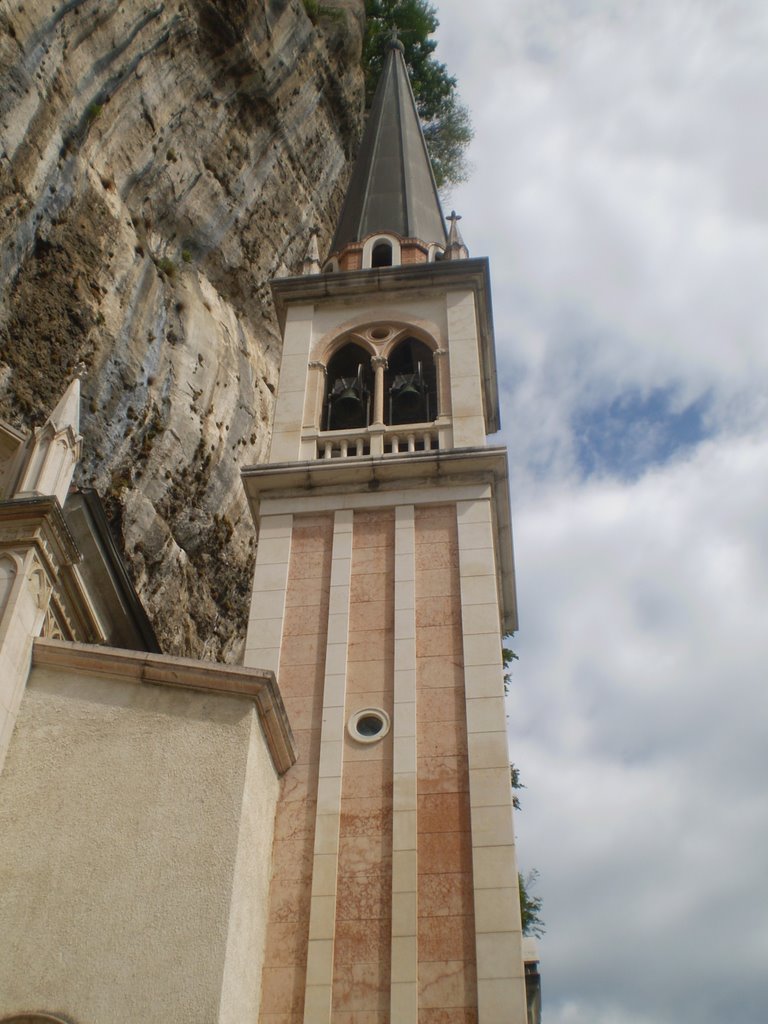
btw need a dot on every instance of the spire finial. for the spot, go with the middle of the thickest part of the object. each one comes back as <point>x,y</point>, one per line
<point>393,40</point>
<point>456,249</point>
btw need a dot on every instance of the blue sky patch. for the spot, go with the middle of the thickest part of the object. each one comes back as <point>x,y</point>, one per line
<point>637,430</point>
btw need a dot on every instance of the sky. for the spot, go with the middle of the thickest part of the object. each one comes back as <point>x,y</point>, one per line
<point>620,190</point>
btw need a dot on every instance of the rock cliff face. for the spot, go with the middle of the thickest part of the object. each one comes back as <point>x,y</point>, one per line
<point>160,162</point>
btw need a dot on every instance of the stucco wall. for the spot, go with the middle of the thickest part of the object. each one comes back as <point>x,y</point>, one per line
<point>136,826</point>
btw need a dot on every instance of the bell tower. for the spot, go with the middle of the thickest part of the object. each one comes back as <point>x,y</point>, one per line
<point>383,582</point>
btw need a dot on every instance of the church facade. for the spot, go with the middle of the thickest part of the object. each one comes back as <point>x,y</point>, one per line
<point>323,835</point>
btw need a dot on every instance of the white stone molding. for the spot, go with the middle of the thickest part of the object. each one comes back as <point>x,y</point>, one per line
<point>270,585</point>
<point>498,933</point>
<point>404,991</point>
<point>254,684</point>
<point>373,241</point>
<point>322,914</point>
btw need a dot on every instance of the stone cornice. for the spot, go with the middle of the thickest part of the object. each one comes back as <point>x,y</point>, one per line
<point>37,519</point>
<point>395,477</point>
<point>257,685</point>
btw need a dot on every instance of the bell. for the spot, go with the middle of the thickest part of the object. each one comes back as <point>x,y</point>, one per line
<point>347,408</point>
<point>407,398</point>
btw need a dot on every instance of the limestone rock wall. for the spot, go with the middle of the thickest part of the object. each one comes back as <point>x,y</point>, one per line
<point>159,162</point>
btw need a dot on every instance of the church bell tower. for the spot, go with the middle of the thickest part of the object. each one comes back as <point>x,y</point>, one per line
<point>383,583</point>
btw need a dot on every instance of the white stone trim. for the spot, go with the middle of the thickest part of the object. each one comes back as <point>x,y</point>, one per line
<point>270,584</point>
<point>498,935</point>
<point>404,953</point>
<point>373,241</point>
<point>376,499</point>
<point>322,914</point>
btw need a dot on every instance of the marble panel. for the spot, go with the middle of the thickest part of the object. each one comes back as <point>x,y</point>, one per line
<point>443,774</point>
<point>444,984</point>
<point>363,898</point>
<point>360,942</point>
<point>443,812</point>
<point>361,987</point>
<point>299,783</point>
<point>295,820</point>
<point>453,1015</point>
<point>442,671</point>
<point>441,704</point>
<point>291,860</point>
<point>444,610</point>
<point>444,852</point>
<point>441,739</point>
<point>438,641</point>
<point>361,855</point>
<point>446,895</point>
<point>282,989</point>
<point>285,945</point>
<point>436,583</point>
<point>365,817</point>
<point>446,938</point>
<point>289,900</point>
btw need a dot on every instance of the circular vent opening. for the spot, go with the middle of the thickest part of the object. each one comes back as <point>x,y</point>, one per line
<point>368,725</point>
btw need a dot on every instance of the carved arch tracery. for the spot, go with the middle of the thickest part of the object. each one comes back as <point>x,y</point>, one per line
<point>360,381</point>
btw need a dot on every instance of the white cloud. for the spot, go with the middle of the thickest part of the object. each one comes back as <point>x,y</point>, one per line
<point>638,719</point>
<point>620,194</point>
<point>619,191</point>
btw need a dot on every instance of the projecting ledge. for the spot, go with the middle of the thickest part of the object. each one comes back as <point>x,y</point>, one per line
<point>428,477</point>
<point>257,685</point>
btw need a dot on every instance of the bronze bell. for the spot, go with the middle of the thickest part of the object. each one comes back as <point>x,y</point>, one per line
<point>408,398</point>
<point>347,408</point>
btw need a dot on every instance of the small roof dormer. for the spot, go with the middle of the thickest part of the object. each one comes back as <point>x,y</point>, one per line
<point>392,191</point>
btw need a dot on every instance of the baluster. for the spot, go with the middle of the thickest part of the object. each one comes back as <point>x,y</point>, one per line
<point>411,442</point>
<point>360,446</point>
<point>328,450</point>
<point>344,448</point>
<point>427,441</point>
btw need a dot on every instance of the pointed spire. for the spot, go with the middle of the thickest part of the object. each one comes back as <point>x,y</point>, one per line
<point>54,449</point>
<point>456,249</point>
<point>67,410</point>
<point>311,264</point>
<point>392,187</point>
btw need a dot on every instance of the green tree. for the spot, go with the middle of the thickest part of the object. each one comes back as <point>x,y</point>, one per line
<point>530,906</point>
<point>445,120</point>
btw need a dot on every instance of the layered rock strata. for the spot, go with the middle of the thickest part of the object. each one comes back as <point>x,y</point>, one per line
<point>159,163</point>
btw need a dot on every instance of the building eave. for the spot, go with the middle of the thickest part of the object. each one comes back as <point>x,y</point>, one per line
<point>253,684</point>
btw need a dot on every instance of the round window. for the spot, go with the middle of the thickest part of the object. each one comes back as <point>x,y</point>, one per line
<point>368,725</point>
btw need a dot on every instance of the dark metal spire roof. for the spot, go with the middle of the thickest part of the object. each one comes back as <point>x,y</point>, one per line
<point>392,186</point>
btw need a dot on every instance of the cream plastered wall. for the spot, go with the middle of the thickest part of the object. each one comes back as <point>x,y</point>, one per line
<point>137,826</point>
